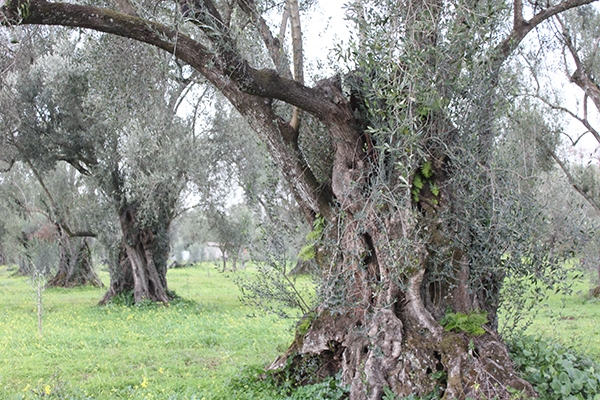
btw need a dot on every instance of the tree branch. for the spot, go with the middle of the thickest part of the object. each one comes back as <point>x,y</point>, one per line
<point>518,19</point>
<point>298,56</point>
<point>580,77</point>
<point>273,44</point>
<point>521,28</point>
<point>584,121</point>
<point>573,181</point>
<point>218,68</point>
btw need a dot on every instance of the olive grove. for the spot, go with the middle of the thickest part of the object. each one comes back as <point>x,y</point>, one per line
<point>577,37</point>
<point>418,218</point>
<point>64,110</point>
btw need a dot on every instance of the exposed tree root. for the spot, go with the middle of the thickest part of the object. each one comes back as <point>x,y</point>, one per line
<point>384,353</point>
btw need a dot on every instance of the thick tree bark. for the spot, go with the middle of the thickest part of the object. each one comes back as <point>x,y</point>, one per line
<point>142,249</point>
<point>75,266</point>
<point>141,269</point>
<point>121,276</point>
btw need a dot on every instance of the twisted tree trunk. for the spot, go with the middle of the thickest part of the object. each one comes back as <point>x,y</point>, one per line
<point>75,266</point>
<point>383,330</point>
<point>142,265</point>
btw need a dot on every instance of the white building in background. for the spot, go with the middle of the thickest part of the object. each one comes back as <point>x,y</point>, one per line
<point>212,251</point>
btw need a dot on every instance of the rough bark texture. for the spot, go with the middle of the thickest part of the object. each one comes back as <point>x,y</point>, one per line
<point>142,263</point>
<point>121,276</point>
<point>75,266</point>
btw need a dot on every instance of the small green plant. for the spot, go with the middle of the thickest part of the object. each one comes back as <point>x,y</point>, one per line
<point>554,371</point>
<point>388,394</point>
<point>471,323</point>
<point>124,299</point>
<point>308,251</point>
<point>23,10</point>
<point>422,177</point>
<point>304,324</point>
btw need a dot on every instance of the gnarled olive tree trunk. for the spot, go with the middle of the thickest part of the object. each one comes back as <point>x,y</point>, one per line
<point>75,267</point>
<point>142,261</point>
<point>390,274</point>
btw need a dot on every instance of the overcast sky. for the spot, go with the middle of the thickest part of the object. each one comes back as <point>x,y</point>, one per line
<point>322,28</point>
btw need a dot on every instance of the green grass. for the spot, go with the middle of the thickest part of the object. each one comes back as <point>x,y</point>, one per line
<point>572,321</point>
<point>203,348</point>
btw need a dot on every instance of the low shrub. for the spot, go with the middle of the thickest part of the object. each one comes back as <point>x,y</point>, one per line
<point>469,323</point>
<point>554,371</point>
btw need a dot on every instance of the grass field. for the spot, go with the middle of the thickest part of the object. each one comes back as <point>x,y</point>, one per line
<point>573,321</point>
<point>189,350</point>
<point>205,347</point>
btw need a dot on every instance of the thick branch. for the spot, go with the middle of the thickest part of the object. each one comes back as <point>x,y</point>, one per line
<point>580,77</point>
<point>273,44</point>
<point>217,68</point>
<point>521,28</point>
<point>518,19</point>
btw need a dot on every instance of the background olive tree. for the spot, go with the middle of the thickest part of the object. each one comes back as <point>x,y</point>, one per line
<point>572,137</point>
<point>69,114</point>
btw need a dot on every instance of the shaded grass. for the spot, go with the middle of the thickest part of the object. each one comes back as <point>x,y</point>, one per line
<point>191,349</point>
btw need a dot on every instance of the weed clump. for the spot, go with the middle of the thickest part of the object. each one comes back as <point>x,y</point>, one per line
<point>471,323</point>
<point>254,383</point>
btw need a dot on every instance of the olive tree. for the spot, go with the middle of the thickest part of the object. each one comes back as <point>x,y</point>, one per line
<point>416,223</point>
<point>62,192</point>
<point>68,113</point>
<point>577,101</point>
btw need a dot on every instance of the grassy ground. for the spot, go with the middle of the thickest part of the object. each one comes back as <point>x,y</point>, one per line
<point>573,321</point>
<point>205,347</point>
<point>184,351</point>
